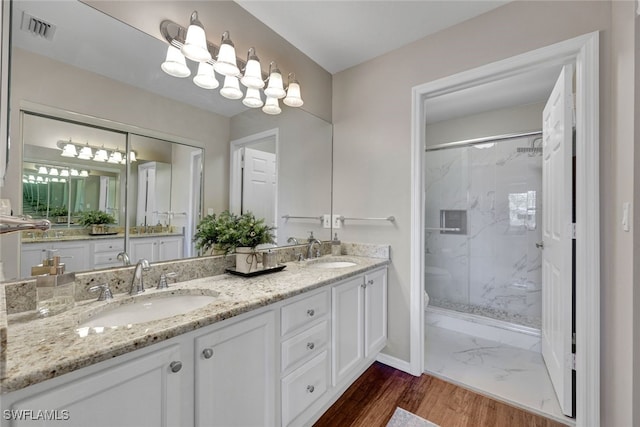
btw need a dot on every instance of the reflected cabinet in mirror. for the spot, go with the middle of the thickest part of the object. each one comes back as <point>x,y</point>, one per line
<point>178,160</point>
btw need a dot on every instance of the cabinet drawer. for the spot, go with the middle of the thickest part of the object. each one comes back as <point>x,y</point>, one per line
<point>304,311</point>
<point>116,246</point>
<point>106,259</point>
<point>304,386</point>
<point>305,345</point>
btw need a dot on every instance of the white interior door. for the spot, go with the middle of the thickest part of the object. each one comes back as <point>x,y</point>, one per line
<point>557,235</point>
<point>259,184</point>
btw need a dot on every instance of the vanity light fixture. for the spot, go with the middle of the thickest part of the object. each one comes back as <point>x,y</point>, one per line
<point>53,172</point>
<point>132,156</point>
<point>86,153</point>
<point>84,173</point>
<point>54,179</point>
<point>274,88</point>
<point>69,150</point>
<point>32,178</point>
<point>192,44</point>
<point>64,172</point>
<point>115,157</point>
<point>195,45</point>
<point>293,98</point>
<point>101,155</point>
<point>74,172</point>
<point>43,170</point>
<point>39,179</point>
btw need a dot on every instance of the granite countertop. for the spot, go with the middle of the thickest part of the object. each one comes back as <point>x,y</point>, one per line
<point>40,349</point>
<point>75,237</point>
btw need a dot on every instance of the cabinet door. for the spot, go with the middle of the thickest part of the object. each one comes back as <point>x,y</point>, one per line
<point>141,392</point>
<point>30,256</point>
<point>75,255</point>
<point>375,312</point>
<point>347,326</point>
<point>143,248</point>
<point>235,374</point>
<point>170,248</point>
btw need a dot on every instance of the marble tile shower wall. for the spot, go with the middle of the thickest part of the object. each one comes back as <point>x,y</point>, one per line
<point>494,269</point>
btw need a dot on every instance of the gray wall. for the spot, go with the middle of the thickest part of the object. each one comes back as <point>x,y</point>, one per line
<point>372,154</point>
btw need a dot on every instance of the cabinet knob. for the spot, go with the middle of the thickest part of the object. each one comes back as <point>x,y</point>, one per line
<point>370,282</point>
<point>175,366</point>
<point>207,353</point>
<point>310,345</point>
<point>311,312</point>
<point>310,388</point>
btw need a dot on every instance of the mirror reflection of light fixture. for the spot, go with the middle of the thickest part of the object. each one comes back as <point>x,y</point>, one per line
<point>84,173</point>
<point>132,156</point>
<point>195,44</point>
<point>231,88</point>
<point>54,179</point>
<point>39,179</point>
<point>274,88</point>
<point>174,64</point>
<point>226,63</point>
<point>293,98</point>
<point>74,172</point>
<point>53,172</point>
<point>272,106</point>
<point>64,172</point>
<point>43,170</point>
<point>252,99</point>
<point>252,72</point>
<point>115,157</point>
<point>206,78</point>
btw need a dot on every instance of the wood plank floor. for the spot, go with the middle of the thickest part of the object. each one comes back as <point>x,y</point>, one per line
<point>372,399</point>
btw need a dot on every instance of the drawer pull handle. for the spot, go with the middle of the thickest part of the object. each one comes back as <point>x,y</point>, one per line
<point>175,366</point>
<point>310,388</point>
<point>207,353</point>
<point>311,312</point>
<point>310,345</point>
<point>370,282</point>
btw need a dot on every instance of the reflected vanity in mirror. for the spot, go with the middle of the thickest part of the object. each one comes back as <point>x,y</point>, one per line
<point>186,136</point>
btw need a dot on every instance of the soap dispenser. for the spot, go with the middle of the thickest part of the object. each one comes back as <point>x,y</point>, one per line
<point>336,248</point>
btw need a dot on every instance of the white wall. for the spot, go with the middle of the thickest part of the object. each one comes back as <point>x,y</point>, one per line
<point>372,156</point>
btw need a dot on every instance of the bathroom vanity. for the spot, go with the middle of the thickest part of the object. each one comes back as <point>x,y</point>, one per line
<point>276,349</point>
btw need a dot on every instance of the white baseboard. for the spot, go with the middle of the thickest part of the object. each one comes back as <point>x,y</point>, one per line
<point>394,362</point>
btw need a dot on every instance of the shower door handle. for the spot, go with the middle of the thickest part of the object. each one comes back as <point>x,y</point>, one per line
<point>442,229</point>
<point>540,245</point>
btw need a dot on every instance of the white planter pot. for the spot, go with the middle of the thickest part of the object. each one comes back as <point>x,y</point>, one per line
<point>246,260</point>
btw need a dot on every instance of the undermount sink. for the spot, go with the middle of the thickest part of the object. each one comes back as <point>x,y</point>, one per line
<point>330,263</point>
<point>145,308</point>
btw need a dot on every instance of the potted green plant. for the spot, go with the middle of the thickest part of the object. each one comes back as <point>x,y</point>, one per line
<point>97,220</point>
<point>60,213</point>
<point>228,232</point>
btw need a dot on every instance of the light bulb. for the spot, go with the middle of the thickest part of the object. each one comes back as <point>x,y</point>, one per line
<point>175,64</point>
<point>195,45</point>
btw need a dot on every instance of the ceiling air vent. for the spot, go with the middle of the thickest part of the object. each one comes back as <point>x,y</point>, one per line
<point>37,26</point>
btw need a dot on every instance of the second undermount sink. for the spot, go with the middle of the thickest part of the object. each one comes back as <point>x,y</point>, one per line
<point>145,308</point>
<point>331,262</point>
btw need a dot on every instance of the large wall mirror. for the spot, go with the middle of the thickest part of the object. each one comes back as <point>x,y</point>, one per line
<point>97,83</point>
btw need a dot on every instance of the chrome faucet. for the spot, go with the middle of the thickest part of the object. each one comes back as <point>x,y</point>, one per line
<point>124,258</point>
<point>138,288</point>
<point>312,241</point>
<point>292,240</point>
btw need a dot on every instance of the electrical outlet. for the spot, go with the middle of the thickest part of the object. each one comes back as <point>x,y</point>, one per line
<point>335,219</point>
<point>326,221</point>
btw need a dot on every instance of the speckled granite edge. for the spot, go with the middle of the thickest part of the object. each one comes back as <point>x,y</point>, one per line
<point>3,333</point>
<point>42,349</point>
<point>370,250</point>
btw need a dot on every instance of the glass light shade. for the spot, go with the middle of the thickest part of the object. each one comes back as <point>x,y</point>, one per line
<point>226,63</point>
<point>74,172</point>
<point>62,180</point>
<point>195,44</point>
<point>64,172</point>
<point>53,172</point>
<point>115,157</point>
<point>252,73</point>
<point>39,179</point>
<point>231,88</point>
<point>175,64</point>
<point>54,179</point>
<point>252,99</point>
<point>84,173</point>
<point>101,155</point>
<point>42,170</point>
<point>86,153</point>
<point>69,150</point>
<point>32,178</point>
<point>272,106</point>
<point>206,78</point>
<point>275,88</point>
<point>293,98</point>
<point>132,156</point>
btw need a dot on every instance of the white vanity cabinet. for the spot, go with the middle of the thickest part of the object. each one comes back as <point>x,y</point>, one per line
<point>235,374</point>
<point>105,252</point>
<point>359,322</point>
<point>74,254</point>
<point>156,248</point>
<point>142,390</point>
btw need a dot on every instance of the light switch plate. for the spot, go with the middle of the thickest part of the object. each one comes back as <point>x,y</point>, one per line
<point>210,211</point>
<point>335,220</point>
<point>326,221</point>
<point>625,216</point>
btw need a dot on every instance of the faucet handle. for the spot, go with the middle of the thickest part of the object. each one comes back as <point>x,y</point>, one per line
<point>162,282</point>
<point>105,292</point>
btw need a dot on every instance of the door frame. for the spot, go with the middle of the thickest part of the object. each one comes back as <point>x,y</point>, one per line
<point>583,51</point>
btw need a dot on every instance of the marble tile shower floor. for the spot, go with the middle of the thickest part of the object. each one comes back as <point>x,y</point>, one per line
<point>506,373</point>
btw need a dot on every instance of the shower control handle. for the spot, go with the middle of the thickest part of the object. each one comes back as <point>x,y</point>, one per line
<point>540,245</point>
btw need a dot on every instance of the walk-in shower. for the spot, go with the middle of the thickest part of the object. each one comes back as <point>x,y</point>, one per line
<point>482,224</point>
